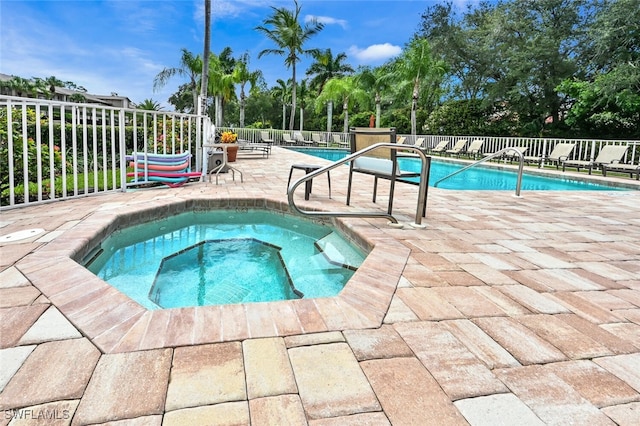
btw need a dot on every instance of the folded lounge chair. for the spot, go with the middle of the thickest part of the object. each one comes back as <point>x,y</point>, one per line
<point>458,147</point>
<point>559,154</point>
<point>381,163</point>
<point>608,155</point>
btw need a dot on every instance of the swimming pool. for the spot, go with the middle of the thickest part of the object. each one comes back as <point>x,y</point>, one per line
<point>477,178</point>
<point>225,257</point>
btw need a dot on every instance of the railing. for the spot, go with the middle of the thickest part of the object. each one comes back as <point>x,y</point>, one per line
<point>422,186</point>
<point>586,149</point>
<point>487,158</point>
<point>53,150</point>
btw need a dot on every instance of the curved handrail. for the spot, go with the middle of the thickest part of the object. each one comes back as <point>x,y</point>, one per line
<point>487,158</point>
<point>421,196</point>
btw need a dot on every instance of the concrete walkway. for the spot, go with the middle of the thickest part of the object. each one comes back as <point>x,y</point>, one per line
<point>503,310</point>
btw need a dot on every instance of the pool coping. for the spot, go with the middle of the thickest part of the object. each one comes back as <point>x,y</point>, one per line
<point>115,323</point>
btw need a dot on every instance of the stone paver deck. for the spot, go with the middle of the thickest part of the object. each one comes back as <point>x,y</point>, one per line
<point>503,309</point>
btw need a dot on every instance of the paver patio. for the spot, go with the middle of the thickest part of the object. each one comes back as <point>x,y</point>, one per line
<point>518,310</point>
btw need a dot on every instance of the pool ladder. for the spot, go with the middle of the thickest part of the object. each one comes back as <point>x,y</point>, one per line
<point>519,154</point>
<point>422,191</point>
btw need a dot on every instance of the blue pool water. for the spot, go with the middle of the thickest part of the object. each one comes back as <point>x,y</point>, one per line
<point>224,257</point>
<point>476,178</point>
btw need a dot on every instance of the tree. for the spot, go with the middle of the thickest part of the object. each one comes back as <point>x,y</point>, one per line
<point>205,62</point>
<point>324,69</point>
<point>191,67</point>
<point>282,92</point>
<point>418,73</point>
<point>149,105</point>
<point>284,30</point>
<point>242,76</point>
<point>375,80</point>
<point>342,90</point>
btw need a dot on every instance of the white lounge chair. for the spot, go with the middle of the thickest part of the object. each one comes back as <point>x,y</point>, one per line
<point>560,153</point>
<point>458,147</point>
<point>317,139</point>
<point>475,147</point>
<point>608,155</point>
<point>440,147</point>
<point>287,139</point>
<point>297,136</point>
<point>340,142</point>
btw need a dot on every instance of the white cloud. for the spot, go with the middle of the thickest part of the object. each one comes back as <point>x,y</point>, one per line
<point>326,20</point>
<point>375,53</point>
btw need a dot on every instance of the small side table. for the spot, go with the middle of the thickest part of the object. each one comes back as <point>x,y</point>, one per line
<point>225,161</point>
<point>308,168</point>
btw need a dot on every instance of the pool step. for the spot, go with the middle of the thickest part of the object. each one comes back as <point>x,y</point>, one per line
<point>339,252</point>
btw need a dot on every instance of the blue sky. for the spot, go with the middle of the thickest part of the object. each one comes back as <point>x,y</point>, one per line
<point>121,45</point>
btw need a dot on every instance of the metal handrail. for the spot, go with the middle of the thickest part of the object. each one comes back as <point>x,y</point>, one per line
<point>487,158</point>
<point>421,197</point>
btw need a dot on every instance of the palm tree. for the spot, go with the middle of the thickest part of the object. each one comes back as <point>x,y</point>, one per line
<point>417,67</point>
<point>289,36</point>
<point>205,62</point>
<point>324,69</point>
<point>343,90</point>
<point>375,80</point>
<point>149,105</point>
<point>221,86</point>
<point>190,66</point>
<point>242,76</point>
<point>282,92</point>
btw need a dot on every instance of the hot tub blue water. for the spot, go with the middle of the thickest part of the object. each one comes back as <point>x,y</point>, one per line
<point>477,178</point>
<point>225,257</point>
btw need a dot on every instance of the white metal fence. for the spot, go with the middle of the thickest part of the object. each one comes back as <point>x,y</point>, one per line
<point>51,150</point>
<point>585,149</point>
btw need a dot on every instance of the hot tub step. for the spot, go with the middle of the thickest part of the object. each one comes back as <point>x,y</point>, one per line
<point>339,252</point>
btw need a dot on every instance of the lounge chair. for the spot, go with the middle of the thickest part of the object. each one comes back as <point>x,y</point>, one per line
<point>511,154</point>
<point>265,138</point>
<point>419,143</point>
<point>287,139</point>
<point>339,142</point>
<point>560,153</point>
<point>622,168</point>
<point>297,136</point>
<point>317,139</point>
<point>381,163</point>
<point>458,147</point>
<point>441,147</point>
<point>475,147</point>
<point>608,155</point>
<point>401,139</point>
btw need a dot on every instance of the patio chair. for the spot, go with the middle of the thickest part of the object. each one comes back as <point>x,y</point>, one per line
<point>511,153</point>
<point>317,139</point>
<point>608,155</point>
<point>559,154</point>
<point>297,136</point>
<point>458,147</point>
<point>401,139</point>
<point>441,147</point>
<point>287,139</point>
<point>622,168</point>
<point>340,142</point>
<point>381,163</point>
<point>475,148</point>
<point>419,143</point>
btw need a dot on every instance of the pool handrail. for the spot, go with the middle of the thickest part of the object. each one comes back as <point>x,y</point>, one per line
<point>519,154</point>
<point>420,211</point>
